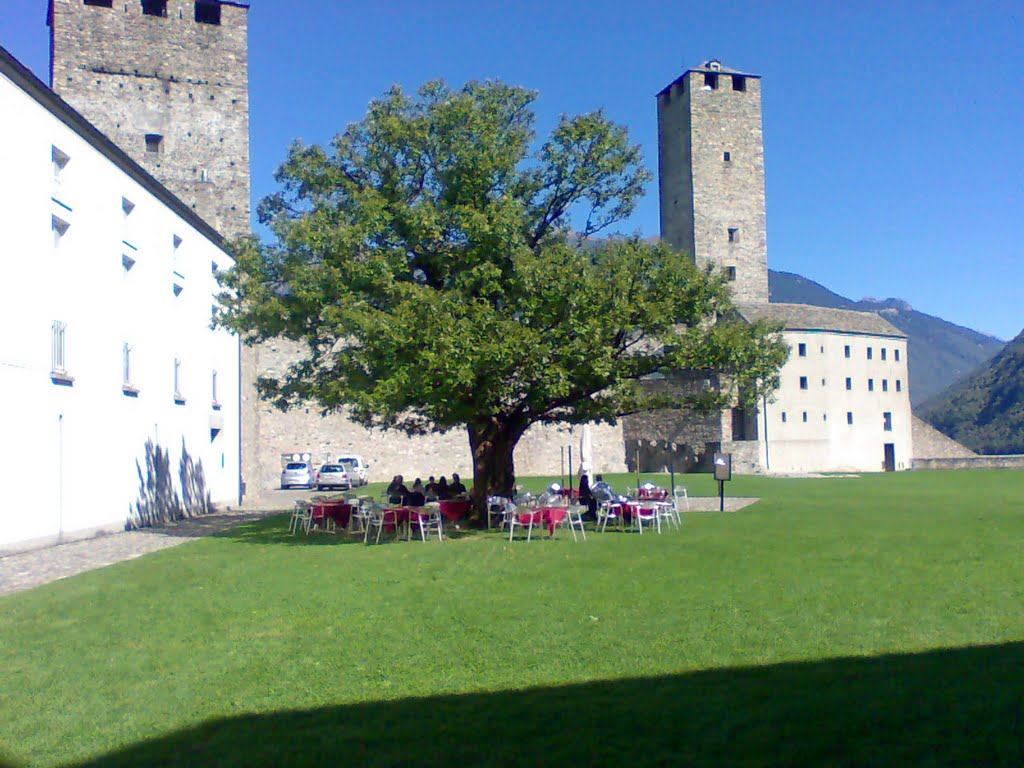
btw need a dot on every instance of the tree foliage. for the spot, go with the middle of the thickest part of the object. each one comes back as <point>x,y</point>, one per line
<point>429,263</point>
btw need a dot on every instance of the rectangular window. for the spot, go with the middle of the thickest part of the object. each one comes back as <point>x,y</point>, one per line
<point>207,12</point>
<point>727,157</point>
<point>803,382</point>
<point>734,234</point>
<point>154,143</point>
<point>846,351</point>
<point>730,273</point>
<point>885,385</point>
<point>154,7</point>
<point>805,417</point>
<point>849,417</point>
<point>101,3</point>
<point>869,353</point>
<point>849,383</point>
<point>739,83</point>
<point>896,353</point>
<point>871,385</point>
<point>899,386</point>
<point>783,417</point>
<point>710,81</point>
<point>801,349</point>
<point>58,352</point>
<point>887,421</point>
<point>883,353</point>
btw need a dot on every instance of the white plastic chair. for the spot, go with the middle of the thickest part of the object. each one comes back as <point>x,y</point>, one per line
<point>574,519</point>
<point>428,520</point>
<point>524,517</point>
<point>607,510</point>
<point>300,517</point>
<point>380,518</point>
<point>646,512</point>
<point>680,494</point>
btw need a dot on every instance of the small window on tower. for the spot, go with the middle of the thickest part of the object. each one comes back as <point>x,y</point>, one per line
<point>730,272</point>
<point>710,81</point>
<point>727,157</point>
<point>154,143</point>
<point>101,3</point>
<point>801,350</point>
<point>734,234</point>
<point>207,12</point>
<point>739,83</point>
<point>154,7</point>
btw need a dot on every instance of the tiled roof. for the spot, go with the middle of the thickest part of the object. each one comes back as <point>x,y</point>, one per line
<point>803,317</point>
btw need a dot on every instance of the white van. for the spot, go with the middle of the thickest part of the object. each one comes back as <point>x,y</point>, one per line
<point>358,469</point>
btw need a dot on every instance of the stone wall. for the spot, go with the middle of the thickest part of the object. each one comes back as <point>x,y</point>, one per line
<point>972,462</point>
<point>132,74</point>
<point>543,450</point>
<point>929,443</point>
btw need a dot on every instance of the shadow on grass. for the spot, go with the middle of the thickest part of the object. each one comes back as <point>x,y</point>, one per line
<point>274,530</point>
<point>950,707</point>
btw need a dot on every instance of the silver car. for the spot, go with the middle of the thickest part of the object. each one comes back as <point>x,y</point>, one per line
<point>297,473</point>
<point>333,476</point>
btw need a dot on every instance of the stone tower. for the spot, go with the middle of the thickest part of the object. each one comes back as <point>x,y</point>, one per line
<point>168,82</point>
<point>711,174</point>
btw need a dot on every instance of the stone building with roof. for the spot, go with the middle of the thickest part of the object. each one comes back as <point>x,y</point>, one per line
<point>843,403</point>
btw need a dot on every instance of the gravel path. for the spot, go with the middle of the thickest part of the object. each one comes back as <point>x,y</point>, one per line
<point>24,570</point>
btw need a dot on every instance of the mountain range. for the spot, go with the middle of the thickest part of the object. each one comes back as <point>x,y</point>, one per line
<point>940,354</point>
<point>985,411</point>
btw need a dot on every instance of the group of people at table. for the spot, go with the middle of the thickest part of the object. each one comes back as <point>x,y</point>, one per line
<point>452,501</point>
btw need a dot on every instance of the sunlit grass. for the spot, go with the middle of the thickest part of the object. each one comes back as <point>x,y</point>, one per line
<point>256,621</point>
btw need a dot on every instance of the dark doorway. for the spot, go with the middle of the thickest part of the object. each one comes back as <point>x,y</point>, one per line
<point>889,464</point>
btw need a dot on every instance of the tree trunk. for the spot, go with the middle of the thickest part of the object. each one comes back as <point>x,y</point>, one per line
<point>493,443</point>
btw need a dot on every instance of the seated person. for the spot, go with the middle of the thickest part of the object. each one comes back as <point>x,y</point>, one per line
<point>430,490</point>
<point>602,491</point>
<point>416,497</point>
<point>457,489</point>
<point>396,491</point>
<point>443,492</point>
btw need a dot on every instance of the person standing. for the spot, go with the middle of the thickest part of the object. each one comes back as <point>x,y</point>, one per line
<point>587,498</point>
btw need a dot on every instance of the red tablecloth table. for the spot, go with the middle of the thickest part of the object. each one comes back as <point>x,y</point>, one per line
<point>552,516</point>
<point>455,509</point>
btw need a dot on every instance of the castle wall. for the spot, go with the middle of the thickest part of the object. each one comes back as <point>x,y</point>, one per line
<point>713,207</point>
<point>172,77</point>
<point>540,452</point>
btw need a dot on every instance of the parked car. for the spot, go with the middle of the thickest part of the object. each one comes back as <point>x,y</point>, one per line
<point>333,476</point>
<point>297,473</point>
<point>357,468</point>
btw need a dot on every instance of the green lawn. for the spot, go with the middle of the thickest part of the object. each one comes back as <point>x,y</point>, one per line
<point>840,621</point>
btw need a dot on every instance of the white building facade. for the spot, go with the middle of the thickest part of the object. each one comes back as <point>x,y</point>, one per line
<point>843,403</point>
<point>119,397</point>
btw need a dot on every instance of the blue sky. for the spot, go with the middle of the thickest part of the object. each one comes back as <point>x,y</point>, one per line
<point>894,131</point>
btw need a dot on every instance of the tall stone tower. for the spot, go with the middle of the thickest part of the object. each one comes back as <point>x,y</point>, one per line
<point>711,174</point>
<point>168,82</point>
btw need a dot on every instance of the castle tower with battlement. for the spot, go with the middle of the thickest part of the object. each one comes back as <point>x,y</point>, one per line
<point>168,81</point>
<point>711,174</point>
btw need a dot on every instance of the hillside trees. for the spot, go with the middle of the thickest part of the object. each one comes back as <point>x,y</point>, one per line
<point>428,263</point>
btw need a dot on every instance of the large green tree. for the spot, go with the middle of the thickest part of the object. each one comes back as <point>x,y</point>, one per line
<point>433,263</point>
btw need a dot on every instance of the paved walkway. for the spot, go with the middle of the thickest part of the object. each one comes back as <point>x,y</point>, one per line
<point>25,570</point>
